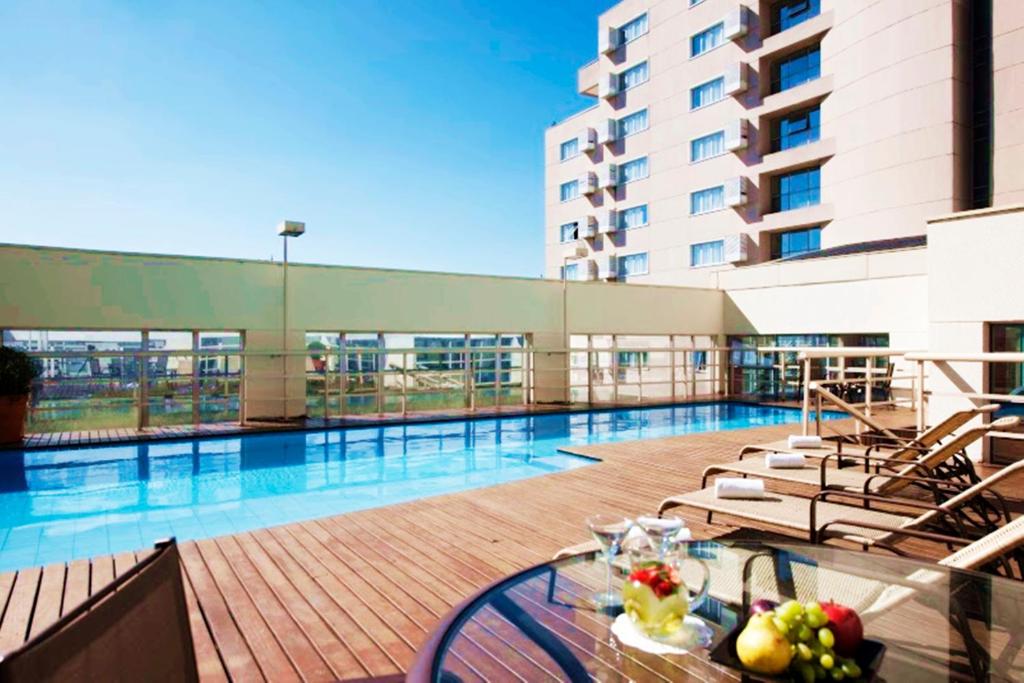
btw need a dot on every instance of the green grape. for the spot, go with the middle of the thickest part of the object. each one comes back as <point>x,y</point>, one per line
<point>790,609</point>
<point>813,607</point>
<point>806,672</point>
<point>792,651</point>
<point>827,661</point>
<point>804,633</point>
<point>781,625</point>
<point>804,652</point>
<point>837,674</point>
<point>816,619</point>
<point>826,637</point>
<point>819,672</point>
<point>851,669</point>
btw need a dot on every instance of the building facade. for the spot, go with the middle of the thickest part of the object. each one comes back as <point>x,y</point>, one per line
<point>727,133</point>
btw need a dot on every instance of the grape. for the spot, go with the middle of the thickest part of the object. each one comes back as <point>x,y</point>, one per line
<point>851,669</point>
<point>826,637</point>
<point>790,610</point>
<point>827,661</point>
<point>804,633</point>
<point>806,672</point>
<point>819,672</point>
<point>781,625</point>
<point>804,652</point>
<point>837,674</point>
<point>816,619</point>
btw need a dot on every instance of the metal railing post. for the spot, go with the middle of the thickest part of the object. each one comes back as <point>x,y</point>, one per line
<point>195,377</point>
<point>142,395</point>
<point>805,417</point>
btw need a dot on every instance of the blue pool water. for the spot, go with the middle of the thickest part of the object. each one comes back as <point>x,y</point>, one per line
<point>61,504</point>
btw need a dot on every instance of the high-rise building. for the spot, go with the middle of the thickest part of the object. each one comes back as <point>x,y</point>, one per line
<point>727,133</point>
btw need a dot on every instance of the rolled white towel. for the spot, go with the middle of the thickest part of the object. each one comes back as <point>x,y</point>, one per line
<point>727,487</point>
<point>800,441</point>
<point>783,461</point>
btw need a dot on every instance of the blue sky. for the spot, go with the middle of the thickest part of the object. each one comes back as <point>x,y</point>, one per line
<point>405,133</point>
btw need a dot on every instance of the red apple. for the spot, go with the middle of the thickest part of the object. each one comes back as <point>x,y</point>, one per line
<point>845,626</point>
<point>761,606</point>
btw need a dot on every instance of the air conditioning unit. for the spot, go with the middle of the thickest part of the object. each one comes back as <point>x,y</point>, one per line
<point>587,270</point>
<point>735,247</point>
<point>736,23</point>
<point>608,177</point>
<point>608,86</point>
<point>607,221</point>
<point>735,78</point>
<point>607,267</point>
<point>587,140</point>
<point>588,182</point>
<point>736,191</point>
<point>736,135</point>
<point>586,227</point>
<point>607,40</point>
<point>607,131</point>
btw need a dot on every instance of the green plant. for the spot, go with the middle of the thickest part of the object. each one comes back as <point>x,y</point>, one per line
<point>17,370</point>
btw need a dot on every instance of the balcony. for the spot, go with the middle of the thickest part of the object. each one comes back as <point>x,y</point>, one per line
<point>587,78</point>
<point>796,157</point>
<point>796,37</point>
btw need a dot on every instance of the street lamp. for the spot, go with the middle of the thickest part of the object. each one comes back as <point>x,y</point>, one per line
<point>286,229</point>
<point>579,251</point>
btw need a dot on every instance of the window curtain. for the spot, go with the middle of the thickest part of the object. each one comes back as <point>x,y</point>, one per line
<point>634,29</point>
<point>633,217</point>
<point>706,40</point>
<point>634,76</point>
<point>634,170</point>
<point>710,199</point>
<point>706,94</point>
<point>707,146</point>
<point>634,123</point>
<point>634,264</point>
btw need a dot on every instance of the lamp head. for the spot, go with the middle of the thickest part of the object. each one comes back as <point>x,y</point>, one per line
<point>291,228</point>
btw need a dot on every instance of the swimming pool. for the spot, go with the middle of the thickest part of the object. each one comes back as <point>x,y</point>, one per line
<point>62,504</point>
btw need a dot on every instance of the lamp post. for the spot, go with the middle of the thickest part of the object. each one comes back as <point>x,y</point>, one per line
<point>579,251</point>
<point>286,229</point>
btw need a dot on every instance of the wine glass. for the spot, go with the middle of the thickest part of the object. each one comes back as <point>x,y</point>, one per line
<point>609,531</point>
<point>661,531</point>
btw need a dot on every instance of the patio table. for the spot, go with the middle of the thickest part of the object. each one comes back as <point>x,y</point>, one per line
<point>937,623</point>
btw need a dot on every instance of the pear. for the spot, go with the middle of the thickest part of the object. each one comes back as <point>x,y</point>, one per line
<point>761,647</point>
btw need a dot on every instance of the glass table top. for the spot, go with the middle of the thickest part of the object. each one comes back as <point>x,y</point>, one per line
<point>542,624</point>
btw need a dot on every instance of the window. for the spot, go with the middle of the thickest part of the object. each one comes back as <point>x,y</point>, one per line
<point>634,123</point>
<point>1006,378</point>
<point>707,254</point>
<point>707,93</point>
<point>569,190</point>
<point>789,13</point>
<point>633,76</point>
<point>695,2</point>
<point>708,39</point>
<point>796,242</point>
<point>569,149</point>
<point>633,170</point>
<point>633,29</point>
<point>632,265</point>
<point>569,231</point>
<point>798,128</point>
<point>797,189</point>
<point>570,271</point>
<point>633,217</point>
<point>796,69</point>
<point>707,146</point>
<point>711,199</point>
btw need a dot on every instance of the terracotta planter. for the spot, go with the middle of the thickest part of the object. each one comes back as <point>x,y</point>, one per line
<point>12,418</point>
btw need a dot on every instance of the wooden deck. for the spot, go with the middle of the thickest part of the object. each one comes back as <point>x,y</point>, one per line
<point>354,595</point>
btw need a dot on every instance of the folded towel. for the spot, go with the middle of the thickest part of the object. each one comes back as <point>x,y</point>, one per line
<point>684,534</point>
<point>797,441</point>
<point>783,461</point>
<point>727,487</point>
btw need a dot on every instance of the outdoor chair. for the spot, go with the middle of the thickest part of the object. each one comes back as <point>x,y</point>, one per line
<point>135,628</point>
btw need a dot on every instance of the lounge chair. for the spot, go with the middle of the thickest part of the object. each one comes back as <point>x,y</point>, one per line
<point>945,461</point>
<point>965,513</point>
<point>135,628</point>
<point>909,442</point>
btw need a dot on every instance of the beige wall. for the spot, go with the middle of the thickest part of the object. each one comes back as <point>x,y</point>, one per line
<point>891,109</point>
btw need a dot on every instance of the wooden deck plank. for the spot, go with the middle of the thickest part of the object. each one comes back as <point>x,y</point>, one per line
<point>50,599</point>
<point>76,585</point>
<point>17,618</point>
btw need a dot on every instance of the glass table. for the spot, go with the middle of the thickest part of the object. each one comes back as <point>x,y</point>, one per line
<point>937,624</point>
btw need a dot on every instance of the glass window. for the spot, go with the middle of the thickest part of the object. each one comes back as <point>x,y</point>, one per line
<point>633,170</point>
<point>634,123</point>
<point>633,29</point>
<point>797,189</point>
<point>632,265</point>
<point>707,39</point>
<point>633,76</point>
<point>707,253</point>
<point>707,93</point>
<point>569,190</point>
<point>710,199</point>
<point>789,13</point>
<point>1007,378</point>
<point>798,128</point>
<point>633,217</point>
<point>568,231</point>
<point>569,149</point>
<point>570,271</point>
<point>796,242</point>
<point>796,69</point>
<point>707,146</point>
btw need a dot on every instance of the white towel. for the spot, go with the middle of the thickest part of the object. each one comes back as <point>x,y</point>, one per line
<point>683,535</point>
<point>798,441</point>
<point>726,487</point>
<point>783,461</point>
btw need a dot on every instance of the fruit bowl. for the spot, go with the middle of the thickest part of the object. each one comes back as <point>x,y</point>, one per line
<point>868,657</point>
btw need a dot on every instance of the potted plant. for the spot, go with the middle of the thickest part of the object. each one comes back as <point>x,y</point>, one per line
<point>17,371</point>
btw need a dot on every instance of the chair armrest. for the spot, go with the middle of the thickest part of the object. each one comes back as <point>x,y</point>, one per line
<point>914,533</point>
